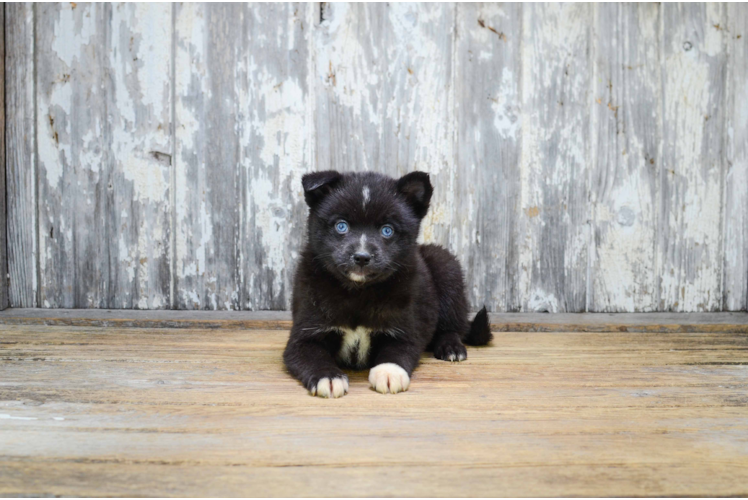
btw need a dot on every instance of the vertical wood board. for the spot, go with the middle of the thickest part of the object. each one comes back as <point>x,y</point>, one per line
<point>73,141</point>
<point>487,150</point>
<point>624,183</point>
<point>691,175</point>
<point>553,232</point>
<point>3,211</point>
<point>735,214</point>
<point>207,189</point>
<point>139,119</point>
<point>20,131</point>
<point>275,130</point>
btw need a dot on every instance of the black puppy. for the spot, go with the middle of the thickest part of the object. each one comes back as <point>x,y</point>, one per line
<point>366,294</point>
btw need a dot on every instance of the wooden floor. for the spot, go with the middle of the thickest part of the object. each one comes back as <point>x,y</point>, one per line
<point>190,412</point>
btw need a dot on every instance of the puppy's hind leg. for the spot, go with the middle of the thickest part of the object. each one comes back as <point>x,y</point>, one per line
<point>447,346</point>
<point>452,326</point>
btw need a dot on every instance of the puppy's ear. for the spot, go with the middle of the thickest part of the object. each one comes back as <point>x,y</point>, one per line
<point>416,187</point>
<point>317,185</point>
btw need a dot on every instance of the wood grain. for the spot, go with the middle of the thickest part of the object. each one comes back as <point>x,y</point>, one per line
<point>73,140</point>
<point>21,155</point>
<point>4,300</point>
<point>139,107</point>
<point>112,412</point>
<point>276,125</point>
<point>735,214</point>
<point>383,96</point>
<point>585,158</point>
<point>488,137</point>
<point>692,173</point>
<point>208,181</point>
<point>553,233</point>
<point>626,129</point>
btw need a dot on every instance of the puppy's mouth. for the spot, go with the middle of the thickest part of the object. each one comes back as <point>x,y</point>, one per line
<point>356,276</point>
<point>361,275</point>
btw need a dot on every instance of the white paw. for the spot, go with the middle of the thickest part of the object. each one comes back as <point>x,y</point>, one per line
<point>335,388</point>
<point>389,377</point>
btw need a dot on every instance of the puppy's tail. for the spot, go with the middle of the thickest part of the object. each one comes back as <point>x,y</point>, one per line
<point>480,329</point>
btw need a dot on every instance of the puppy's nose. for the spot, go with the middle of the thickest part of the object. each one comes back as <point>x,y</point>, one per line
<point>362,258</point>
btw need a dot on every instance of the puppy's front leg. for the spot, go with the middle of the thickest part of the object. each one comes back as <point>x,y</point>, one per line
<point>394,360</point>
<point>310,360</point>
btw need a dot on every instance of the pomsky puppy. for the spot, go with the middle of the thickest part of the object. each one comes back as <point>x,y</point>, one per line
<point>366,294</point>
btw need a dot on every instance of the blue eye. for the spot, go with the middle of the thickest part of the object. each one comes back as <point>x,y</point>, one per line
<point>341,226</point>
<point>387,231</point>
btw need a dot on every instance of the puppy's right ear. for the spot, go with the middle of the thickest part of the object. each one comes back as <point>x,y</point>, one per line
<point>317,185</point>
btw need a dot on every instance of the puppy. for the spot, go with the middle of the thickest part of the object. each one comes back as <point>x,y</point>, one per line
<point>366,294</point>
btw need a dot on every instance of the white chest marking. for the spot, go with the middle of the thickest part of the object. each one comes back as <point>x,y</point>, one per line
<point>367,195</point>
<point>355,342</point>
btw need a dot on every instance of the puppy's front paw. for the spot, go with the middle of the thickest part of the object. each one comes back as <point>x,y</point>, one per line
<point>334,387</point>
<point>450,350</point>
<point>389,377</point>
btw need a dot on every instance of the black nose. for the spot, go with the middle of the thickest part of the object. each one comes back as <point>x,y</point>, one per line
<point>361,258</point>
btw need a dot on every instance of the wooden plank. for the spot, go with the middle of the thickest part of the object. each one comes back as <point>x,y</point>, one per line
<point>75,238</point>
<point>692,173</point>
<point>21,155</point>
<point>500,322</point>
<point>553,232</point>
<point>210,71</point>
<point>103,127</point>
<point>735,213</point>
<point>384,97</point>
<point>112,479</point>
<point>276,125</point>
<point>181,412</point>
<point>4,300</point>
<point>138,92</point>
<point>488,131</point>
<point>624,182</point>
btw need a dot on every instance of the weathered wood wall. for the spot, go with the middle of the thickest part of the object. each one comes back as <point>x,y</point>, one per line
<point>4,298</point>
<point>586,157</point>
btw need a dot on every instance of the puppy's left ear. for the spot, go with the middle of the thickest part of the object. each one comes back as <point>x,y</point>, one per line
<point>417,189</point>
<point>317,185</point>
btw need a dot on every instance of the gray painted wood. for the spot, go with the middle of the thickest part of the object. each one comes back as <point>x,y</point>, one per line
<point>239,204</point>
<point>487,151</point>
<point>21,154</point>
<point>384,96</point>
<point>72,141</point>
<point>585,157</point>
<point>692,174</point>
<point>210,59</point>
<point>103,112</point>
<point>139,109</point>
<point>553,233</point>
<point>3,224</point>
<point>626,131</point>
<point>276,148</point>
<point>735,215</point>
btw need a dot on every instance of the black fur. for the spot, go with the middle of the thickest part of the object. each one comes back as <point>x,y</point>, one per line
<point>412,297</point>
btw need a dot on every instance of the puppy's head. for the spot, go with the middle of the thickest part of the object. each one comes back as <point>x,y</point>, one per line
<point>363,226</point>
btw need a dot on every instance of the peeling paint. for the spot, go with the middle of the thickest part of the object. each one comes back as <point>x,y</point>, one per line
<point>585,157</point>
